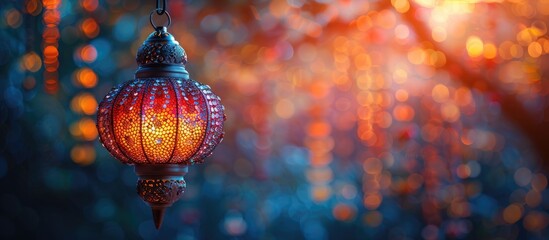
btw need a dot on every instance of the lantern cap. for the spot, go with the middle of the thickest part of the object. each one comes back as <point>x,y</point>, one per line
<point>161,56</point>
<point>161,48</point>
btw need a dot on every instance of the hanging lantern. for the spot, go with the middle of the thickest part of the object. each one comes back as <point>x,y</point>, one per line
<point>162,121</point>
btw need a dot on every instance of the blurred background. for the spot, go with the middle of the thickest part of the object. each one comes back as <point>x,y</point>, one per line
<point>401,119</point>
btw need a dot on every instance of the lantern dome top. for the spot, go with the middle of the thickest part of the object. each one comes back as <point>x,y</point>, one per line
<point>161,50</point>
<point>161,53</point>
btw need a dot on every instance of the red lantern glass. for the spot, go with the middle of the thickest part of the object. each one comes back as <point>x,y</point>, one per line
<point>160,121</point>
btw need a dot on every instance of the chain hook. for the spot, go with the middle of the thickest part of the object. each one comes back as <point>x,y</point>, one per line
<point>164,13</point>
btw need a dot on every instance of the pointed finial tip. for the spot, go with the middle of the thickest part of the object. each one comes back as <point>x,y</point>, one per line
<point>158,216</point>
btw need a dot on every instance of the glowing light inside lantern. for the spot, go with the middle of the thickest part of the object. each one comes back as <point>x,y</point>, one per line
<point>158,120</point>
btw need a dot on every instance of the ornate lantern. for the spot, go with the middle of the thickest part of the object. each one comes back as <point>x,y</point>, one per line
<point>162,121</point>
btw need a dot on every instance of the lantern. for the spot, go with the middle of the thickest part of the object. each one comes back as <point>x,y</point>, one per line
<point>161,122</point>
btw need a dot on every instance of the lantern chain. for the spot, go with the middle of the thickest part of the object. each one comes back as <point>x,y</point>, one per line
<point>164,13</point>
<point>160,10</point>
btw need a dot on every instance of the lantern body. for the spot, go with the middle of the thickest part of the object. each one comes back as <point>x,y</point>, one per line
<point>161,122</point>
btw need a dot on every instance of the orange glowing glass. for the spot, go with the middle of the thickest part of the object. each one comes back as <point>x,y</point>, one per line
<point>160,120</point>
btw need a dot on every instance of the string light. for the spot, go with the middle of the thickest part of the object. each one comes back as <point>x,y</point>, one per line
<point>83,102</point>
<point>51,18</point>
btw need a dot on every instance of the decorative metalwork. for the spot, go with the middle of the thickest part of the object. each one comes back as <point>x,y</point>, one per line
<point>162,192</point>
<point>161,47</point>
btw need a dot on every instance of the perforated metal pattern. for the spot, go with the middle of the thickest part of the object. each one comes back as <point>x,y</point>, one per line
<point>216,116</point>
<point>105,126</point>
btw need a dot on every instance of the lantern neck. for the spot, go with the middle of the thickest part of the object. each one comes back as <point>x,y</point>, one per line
<point>161,70</point>
<point>160,170</point>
